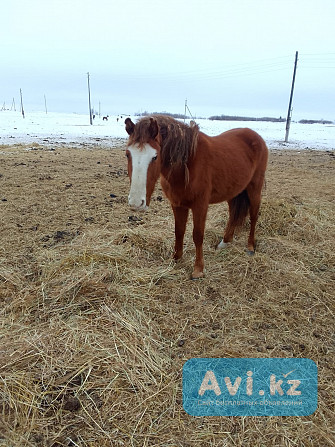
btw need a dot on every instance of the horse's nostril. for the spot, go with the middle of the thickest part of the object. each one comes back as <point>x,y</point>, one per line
<point>142,203</point>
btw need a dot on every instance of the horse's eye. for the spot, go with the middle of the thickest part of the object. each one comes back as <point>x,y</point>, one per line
<point>154,158</point>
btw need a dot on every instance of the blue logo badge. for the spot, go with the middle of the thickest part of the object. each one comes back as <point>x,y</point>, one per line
<point>250,387</point>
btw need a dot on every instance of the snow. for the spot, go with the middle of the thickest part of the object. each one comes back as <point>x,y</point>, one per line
<point>74,129</point>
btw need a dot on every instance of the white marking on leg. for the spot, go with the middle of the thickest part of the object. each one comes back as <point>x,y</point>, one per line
<point>222,245</point>
<point>141,159</point>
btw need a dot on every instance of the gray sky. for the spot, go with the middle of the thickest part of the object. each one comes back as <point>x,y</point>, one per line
<point>224,56</point>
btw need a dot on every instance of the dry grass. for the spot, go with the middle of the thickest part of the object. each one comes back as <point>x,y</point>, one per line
<point>97,321</point>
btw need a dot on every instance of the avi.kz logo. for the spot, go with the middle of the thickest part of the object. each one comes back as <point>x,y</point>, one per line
<point>250,387</point>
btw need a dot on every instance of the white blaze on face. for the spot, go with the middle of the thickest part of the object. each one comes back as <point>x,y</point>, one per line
<point>141,158</point>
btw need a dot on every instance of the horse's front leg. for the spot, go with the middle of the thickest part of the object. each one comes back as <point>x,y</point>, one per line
<point>180,220</point>
<point>199,220</point>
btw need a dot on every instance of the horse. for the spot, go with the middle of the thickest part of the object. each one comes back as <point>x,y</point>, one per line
<point>196,170</point>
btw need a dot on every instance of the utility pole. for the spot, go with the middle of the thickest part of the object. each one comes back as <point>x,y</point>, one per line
<point>187,109</point>
<point>45,105</point>
<point>22,111</point>
<point>289,113</point>
<point>89,97</point>
<point>13,105</point>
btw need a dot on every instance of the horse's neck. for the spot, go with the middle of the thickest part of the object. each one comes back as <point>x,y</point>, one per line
<point>176,175</point>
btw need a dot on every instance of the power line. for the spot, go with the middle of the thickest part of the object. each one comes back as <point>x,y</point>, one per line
<point>196,75</point>
<point>243,69</point>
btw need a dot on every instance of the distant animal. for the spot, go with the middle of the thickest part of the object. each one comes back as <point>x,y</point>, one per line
<point>196,170</point>
<point>105,118</point>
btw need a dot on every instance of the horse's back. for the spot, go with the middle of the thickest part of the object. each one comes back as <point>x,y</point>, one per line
<point>241,138</point>
<point>239,146</point>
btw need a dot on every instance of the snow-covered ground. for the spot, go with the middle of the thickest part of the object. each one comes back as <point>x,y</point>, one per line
<point>64,129</point>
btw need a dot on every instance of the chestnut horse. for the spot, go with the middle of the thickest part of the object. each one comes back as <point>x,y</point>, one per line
<point>196,170</point>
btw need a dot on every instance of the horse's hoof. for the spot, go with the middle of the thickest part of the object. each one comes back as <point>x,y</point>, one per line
<point>177,255</point>
<point>222,245</point>
<point>251,252</point>
<point>197,275</point>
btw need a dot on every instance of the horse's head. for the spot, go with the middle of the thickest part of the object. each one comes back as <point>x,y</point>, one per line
<point>143,153</point>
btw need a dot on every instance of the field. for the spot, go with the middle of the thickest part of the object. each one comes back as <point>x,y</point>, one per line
<point>97,320</point>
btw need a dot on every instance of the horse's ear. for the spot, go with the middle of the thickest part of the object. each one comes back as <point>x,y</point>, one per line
<point>130,126</point>
<point>153,128</point>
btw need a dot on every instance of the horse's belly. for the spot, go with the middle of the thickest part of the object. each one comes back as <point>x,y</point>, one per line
<point>217,198</point>
<point>224,193</point>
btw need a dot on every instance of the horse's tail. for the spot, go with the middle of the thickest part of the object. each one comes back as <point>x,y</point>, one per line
<point>239,209</point>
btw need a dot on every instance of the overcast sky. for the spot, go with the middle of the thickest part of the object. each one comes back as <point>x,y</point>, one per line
<point>224,56</point>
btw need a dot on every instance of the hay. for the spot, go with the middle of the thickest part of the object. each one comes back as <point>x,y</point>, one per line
<point>97,321</point>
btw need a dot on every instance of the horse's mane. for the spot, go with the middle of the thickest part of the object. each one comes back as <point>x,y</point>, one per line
<point>179,140</point>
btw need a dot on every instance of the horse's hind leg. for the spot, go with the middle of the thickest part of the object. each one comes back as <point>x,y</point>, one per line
<point>254,208</point>
<point>254,190</point>
<point>238,210</point>
<point>230,228</point>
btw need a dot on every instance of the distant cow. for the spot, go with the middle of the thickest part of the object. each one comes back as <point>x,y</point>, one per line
<point>105,118</point>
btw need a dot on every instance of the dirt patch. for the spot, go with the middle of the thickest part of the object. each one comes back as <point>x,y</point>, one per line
<point>97,320</point>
